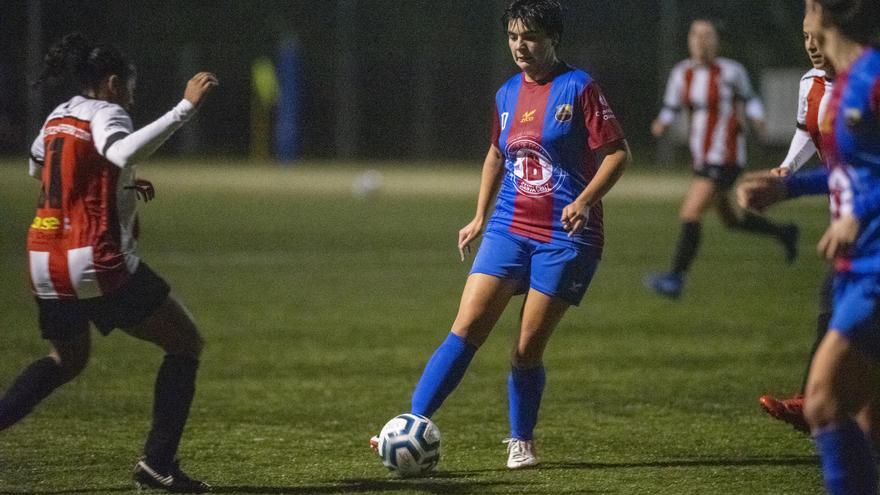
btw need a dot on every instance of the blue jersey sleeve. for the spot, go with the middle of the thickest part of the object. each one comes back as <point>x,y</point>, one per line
<point>807,183</point>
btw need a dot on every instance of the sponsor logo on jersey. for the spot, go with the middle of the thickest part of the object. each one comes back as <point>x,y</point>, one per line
<point>528,116</point>
<point>564,112</point>
<point>533,169</point>
<point>68,129</point>
<point>46,223</point>
<point>852,117</point>
<point>504,117</point>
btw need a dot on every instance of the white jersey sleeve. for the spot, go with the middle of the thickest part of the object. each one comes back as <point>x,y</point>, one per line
<point>37,155</point>
<point>672,100</point>
<point>110,124</point>
<point>802,147</point>
<point>125,148</point>
<point>754,106</point>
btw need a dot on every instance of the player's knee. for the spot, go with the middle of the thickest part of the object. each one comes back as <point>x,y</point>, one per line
<point>821,409</point>
<point>71,363</point>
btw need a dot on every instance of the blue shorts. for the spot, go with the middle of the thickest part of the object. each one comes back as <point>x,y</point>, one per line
<point>559,271</point>
<point>856,311</point>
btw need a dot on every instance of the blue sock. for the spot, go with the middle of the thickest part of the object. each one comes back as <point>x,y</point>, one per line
<point>524,390</point>
<point>442,374</point>
<point>847,462</point>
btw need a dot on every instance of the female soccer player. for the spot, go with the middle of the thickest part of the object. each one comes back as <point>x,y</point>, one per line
<point>845,374</point>
<point>83,262</point>
<point>556,150</point>
<point>712,90</point>
<point>815,92</point>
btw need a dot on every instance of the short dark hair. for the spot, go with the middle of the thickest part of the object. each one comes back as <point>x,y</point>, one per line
<point>77,59</point>
<point>858,20</point>
<point>538,15</point>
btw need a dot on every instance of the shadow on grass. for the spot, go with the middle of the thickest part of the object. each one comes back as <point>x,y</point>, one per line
<point>684,463</point>
<point>424,485</point>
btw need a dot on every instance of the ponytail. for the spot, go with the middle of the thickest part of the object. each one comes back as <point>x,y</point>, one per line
<point>76,59</point>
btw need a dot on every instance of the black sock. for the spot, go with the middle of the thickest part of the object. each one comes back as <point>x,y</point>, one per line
<point>687,247</point>
<point>175,387</point>
<point>34,384</point>
<point>751,222</point>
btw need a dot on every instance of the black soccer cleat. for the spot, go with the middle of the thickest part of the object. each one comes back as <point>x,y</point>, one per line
<point>175,481</point>
<point>789,239</point>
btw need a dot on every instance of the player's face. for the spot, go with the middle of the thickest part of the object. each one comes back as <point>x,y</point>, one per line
<point>813,40</point>
<point>533,51</point>
<point>702,41</point>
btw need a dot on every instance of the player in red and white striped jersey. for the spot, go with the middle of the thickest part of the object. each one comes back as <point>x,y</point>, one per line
<point>813,97</point>
<point>715,92</point>
<point>81,245</point>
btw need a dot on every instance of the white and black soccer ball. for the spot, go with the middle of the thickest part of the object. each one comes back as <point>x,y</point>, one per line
<point>409,445</point>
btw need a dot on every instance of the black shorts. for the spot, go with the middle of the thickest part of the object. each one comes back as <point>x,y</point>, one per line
<point>125,307</point>
<point>723,176</point>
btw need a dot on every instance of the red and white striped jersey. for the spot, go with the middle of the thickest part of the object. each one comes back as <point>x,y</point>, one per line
<point>813,97</point>
<point>82,243</point>
<point>715,96</point>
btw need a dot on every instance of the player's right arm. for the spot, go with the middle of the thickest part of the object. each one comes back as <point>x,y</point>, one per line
<point>112,129</point>
<point>490,182</point>
<point>37,155</point>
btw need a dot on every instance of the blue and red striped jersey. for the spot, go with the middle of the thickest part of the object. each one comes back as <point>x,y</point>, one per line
<point>548,133</point>
<point>851,138</point>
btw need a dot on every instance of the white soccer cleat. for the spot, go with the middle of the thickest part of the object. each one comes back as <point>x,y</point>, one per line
<point>374,442</point>
<point>520,453</point>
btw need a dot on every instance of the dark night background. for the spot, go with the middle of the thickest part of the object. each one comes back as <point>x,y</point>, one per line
<point>453,50</point>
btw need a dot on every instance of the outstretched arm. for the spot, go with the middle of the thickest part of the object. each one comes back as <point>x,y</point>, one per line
<point>124,149</point>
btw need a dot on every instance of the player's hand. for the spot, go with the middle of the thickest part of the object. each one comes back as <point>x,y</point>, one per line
<point>760,190</point>
<point>143,189</point>
<point>467,235</point>
<point>839,237</point>
<point>780,171</point>
<point>199,86</point>
<point>658,128</point>
<point>575,216</point>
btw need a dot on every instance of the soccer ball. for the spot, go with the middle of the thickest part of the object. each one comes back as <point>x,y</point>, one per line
<point>409,445</point>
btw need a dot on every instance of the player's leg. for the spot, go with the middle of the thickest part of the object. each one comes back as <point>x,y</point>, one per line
<point>171,328</point>
<point>791,409</point>
<point>559,278</point>
<point>482,302</point>
<point>697,200</point>
<point>67,329</point>
<point>67,360</point>
<point>843,380</point>
<point>541,314</point>
<point>751,222</point>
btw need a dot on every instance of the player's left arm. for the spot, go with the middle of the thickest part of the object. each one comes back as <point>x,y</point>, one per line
<point>37,154</point>
<point>616,156</point>
<point>754,107</point>
<point>605,138</point>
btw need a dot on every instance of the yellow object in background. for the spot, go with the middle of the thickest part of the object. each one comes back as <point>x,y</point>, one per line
<point>264,94</point>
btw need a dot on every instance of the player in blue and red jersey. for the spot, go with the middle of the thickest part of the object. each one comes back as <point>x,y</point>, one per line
<point>842,387</point>
<point>556,149</point>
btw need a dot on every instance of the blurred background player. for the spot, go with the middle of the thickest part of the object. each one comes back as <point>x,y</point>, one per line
<point>713,90</point>
<point>556,150</point>
<point>82,247</point>
<point>844,378</point>
<point>813,97</point>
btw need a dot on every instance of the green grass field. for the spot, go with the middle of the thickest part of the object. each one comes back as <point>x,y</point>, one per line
<point>319,310</point>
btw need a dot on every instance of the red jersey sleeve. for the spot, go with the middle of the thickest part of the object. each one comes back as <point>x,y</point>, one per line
<point>599,120</point>
<point>496,127</point>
